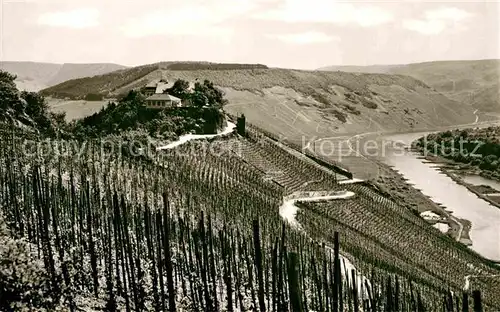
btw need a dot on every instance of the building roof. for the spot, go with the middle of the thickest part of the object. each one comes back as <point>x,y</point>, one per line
<point>161,86</point>
<point>163,97</point>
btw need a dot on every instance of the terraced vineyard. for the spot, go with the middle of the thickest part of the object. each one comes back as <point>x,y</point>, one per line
<point>285,169</point>
<point>178,230</point>
<point>376,230</point>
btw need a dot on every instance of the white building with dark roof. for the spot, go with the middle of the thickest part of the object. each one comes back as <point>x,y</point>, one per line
<point>162,100</point>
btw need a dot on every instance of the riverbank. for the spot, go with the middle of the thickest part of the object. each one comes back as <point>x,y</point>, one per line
<point>399,189</point>
<point>456,171</point>
<point>477,217</point>
<point>392,184</point>
<point>473,188</point>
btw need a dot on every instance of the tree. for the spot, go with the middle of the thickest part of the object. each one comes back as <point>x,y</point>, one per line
<point>27,108</point>
<point>447,134</point>
<point>464,134</point>
<point>9,95</point>
<point>36,105</point>
<point>180,89</point>
<point>207,94</point>
<point>133,96</point>
<point>489,162</point>
<point>37,109</point>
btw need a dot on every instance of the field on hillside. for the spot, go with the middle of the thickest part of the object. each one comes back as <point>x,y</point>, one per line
<point>75,109</point>
<point>77,89</point>
<point>475,83</point>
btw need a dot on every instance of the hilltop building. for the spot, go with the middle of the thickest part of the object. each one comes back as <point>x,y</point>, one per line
<point>163,100</point>
<point>156,98</point>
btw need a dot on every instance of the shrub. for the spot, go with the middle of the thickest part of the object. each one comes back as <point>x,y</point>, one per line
<point>369,104</point>
<point>93,97</point>
<point>23,282</point>
<point>340,116</point>
<point>320,98</point>
<point>351,109</point>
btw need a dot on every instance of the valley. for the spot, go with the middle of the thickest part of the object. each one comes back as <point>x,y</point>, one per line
<point>211,210</point>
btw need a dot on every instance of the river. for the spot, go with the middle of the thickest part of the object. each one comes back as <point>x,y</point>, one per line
<point>485,218</point>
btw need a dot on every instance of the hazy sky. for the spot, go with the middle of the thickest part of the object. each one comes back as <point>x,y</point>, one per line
<point>304,34</point>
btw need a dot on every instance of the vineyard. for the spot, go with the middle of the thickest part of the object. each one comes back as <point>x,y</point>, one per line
<point>375,230</point>
<point>183,231</point>
<point>285,169</point>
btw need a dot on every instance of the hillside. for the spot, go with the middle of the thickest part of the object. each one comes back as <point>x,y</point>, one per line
<point>34,76</point>
<point>471,82</point>
<point>298,103</point>
<point>73,71</point>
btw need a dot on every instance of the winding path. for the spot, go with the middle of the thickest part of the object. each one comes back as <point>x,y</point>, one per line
<point>288,210</point>
<point>189,137</point>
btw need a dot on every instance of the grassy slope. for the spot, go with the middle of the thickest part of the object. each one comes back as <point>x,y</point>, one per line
<point>34,76</point>
<point>74,71</point>
<point>471,82</point>
<point>75,109</point>
<point>101,84</point>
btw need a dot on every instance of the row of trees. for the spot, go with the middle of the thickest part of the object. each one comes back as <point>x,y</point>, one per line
<point>477,147</point>
<point>203,94</point>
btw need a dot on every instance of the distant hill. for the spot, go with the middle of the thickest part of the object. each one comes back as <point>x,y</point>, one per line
<point>476,83</point>
<point>74,71</point>
<point>33,76</point>
<point>295,103</point>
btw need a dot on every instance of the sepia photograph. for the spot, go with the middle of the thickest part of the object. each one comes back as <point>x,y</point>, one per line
<point>250,155</point>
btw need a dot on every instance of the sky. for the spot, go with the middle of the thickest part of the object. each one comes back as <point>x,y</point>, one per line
<point>301,34</point>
